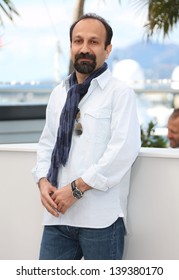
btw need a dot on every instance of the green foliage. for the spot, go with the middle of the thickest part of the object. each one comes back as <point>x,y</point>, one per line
<point>149,139</point>
<point>9,9</point>
<point>162,15</point>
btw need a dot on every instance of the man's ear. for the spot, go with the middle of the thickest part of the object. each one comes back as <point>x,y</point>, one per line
<point>108,50</point>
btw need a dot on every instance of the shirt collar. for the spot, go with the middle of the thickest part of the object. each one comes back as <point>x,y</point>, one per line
<point>102,80</point>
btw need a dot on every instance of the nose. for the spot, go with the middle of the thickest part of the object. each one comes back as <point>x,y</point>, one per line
<point>85,48</point>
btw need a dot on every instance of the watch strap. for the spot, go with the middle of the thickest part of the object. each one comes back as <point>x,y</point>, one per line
<point>77,193</point>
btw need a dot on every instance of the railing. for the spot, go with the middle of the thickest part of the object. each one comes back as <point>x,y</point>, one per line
<point>36,92</point>
<point>23,106</point>
<point>22,111</point>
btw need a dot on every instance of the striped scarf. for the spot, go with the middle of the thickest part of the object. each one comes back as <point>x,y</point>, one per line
<point>64,135</point>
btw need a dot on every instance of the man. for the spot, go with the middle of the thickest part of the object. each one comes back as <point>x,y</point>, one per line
<point>173,129</point>
<point>85,189</point>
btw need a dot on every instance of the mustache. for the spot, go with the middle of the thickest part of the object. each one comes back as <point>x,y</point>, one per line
<point>85,55</point>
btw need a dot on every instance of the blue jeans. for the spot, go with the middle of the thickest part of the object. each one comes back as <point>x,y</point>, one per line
<point>73,243</point>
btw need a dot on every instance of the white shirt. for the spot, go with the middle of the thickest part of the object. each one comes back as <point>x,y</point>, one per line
<point>102,155</point>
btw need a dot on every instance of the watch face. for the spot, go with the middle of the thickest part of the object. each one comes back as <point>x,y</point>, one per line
<point>77,194</point>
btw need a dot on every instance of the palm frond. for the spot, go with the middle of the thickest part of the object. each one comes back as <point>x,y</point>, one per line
<point>162,15</point>
<point>8,9</point>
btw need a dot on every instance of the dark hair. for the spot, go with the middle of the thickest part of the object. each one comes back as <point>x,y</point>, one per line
<point>109,32</point>
<point>175,113</point>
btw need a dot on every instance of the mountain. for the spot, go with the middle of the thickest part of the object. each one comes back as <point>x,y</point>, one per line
<point>157,60</point>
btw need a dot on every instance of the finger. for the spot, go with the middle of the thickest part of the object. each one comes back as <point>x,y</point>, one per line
<point>53,190</point>
<point>52,210</point>
<point>57,201</point>
<point>51,207</point>
<point>62,209</point>
<point>60,206</point>
<point>48,198</point>
<point>54,196</point>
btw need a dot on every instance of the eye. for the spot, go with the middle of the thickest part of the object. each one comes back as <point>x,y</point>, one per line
<point>77,41</point>
<point>94,42</point>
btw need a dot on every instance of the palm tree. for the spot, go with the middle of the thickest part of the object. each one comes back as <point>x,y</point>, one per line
<point>9,9</point>
<point>79,9</point>
<point>162,15</point>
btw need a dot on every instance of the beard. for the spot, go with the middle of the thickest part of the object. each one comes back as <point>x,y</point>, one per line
<point>85,67</point>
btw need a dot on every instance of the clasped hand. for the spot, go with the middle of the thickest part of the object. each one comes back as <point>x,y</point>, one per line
<point>55,200</point>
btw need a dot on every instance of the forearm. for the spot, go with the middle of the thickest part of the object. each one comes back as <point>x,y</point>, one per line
<point>42,181</point>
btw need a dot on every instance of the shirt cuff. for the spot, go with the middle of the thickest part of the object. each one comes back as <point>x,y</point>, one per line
<point>38,174</point>
<point>94,179</point>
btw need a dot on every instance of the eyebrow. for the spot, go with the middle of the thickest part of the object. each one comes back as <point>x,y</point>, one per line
<point>93,37</point>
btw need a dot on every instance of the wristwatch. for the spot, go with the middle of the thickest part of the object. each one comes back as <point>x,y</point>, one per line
<point>75,191</point>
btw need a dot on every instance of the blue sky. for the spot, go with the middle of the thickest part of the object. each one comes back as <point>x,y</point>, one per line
<point>30,44</point>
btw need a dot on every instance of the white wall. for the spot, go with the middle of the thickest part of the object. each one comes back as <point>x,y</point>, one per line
<point>153,212</point>
<point>153,205</point>
<point>20,207</point>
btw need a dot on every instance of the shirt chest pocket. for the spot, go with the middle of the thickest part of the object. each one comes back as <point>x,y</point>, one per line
<point>97,125</point>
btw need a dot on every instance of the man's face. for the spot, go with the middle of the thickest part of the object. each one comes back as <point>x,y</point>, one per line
<point>173,132</point>
<point>88,51</point>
